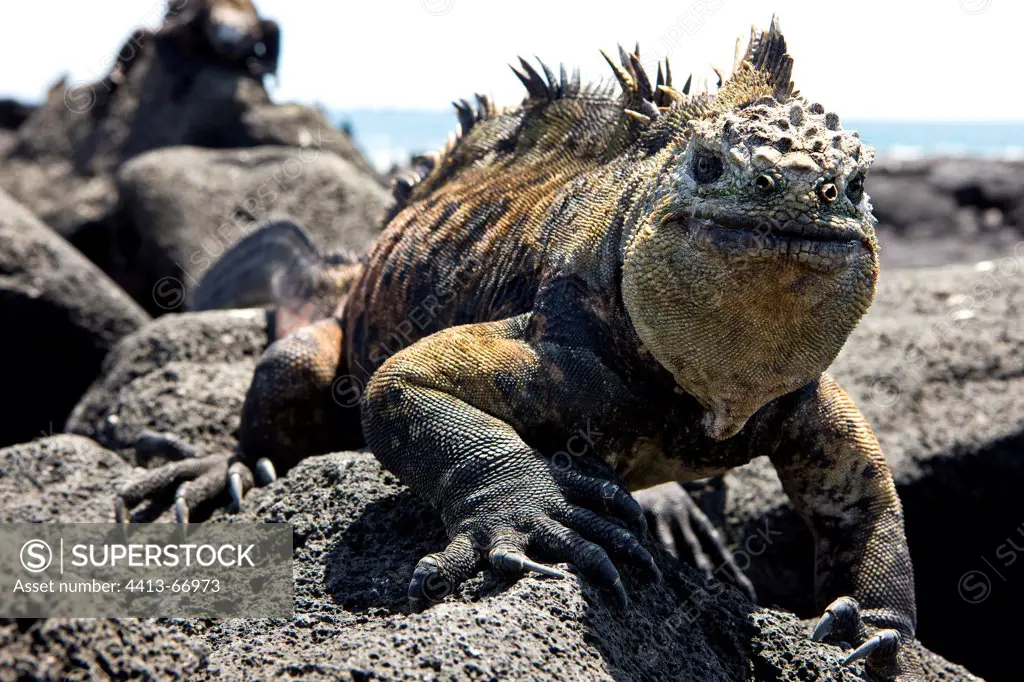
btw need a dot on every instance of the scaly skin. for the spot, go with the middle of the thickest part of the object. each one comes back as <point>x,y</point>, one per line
<point>654,283</point>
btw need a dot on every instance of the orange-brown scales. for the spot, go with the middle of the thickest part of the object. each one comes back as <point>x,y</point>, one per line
<point>653,281</point>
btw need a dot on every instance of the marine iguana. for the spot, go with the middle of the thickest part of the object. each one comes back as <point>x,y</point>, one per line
<point>585,294</point>
<point>229,33</point>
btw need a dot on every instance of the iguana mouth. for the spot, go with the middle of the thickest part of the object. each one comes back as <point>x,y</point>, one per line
<point>772,230</point>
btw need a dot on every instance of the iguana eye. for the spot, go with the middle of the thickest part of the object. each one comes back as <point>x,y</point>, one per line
<point>706,168</point>
<point>855,188</point>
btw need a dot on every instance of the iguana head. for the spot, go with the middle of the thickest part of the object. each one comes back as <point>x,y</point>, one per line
<point>234,31</point>
<point>754,257</point>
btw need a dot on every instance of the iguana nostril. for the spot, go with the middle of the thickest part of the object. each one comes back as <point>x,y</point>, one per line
<point>764,183</point>
<point>829,192</point>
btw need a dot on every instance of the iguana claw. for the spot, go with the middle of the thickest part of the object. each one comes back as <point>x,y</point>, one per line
<point>514,562</point>
<point>885,642</point>
<point>235,487</point>
<point>844,610</point>
<point>181,512</point>
<point>196,480</point>
<point>673,510</point>
<point>264,471</point>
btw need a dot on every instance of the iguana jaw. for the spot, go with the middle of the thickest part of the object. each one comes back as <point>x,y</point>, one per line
<point>796,230</point>
<point>823,245</point>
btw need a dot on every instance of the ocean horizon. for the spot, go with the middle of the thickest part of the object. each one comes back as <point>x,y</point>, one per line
<point>390,136</point>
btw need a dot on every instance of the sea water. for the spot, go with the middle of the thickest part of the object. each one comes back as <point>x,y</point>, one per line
<point>390,136</point>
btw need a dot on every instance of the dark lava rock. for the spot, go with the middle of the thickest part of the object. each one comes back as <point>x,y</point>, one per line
<point>186,374</point>
<point>946,210</point>
<point>61,315</point>
<point>71,479</point>
<point>62,166</point>
<point>937,367</point>
<point>80,649</point>
<point>182,208</point>
<point>358,534</point>
<point>293,125</point>
<point>13,113</point>
<point>62,477</point>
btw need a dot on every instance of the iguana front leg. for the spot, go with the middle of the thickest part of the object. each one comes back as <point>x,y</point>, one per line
<point>446,415</point>
<point>833,470</point>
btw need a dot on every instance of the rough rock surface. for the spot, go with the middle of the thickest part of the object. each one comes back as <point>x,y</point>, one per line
<point>937,368</point>
<point>358,534</point>
<point>69,478</point>
<point>291,125</point>
<point>182,208</point>
<point>182,373</point>
<point>60,317</point>
<point>58,477</point>
<point>946,210</point>
<point>81,649</point>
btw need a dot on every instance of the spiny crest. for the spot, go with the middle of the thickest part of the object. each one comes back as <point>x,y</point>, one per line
<point>642,101</point>
<point>421,166</point>
<point>763,69</point>
<point>470,115</point>
<point>766,52</point>
<point>549,87</point>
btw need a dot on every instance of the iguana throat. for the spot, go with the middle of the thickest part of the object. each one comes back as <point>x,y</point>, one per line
<point>739,324</point>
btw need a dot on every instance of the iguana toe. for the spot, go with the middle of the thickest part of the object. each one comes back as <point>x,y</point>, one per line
<point>620,542</point>
<point>593,562</point>
<point>167,445</point>
<point>193,480</point>
<point>203,488</point>
<point>672,510</point>
<point>883,648</point>
<point>438,575</point>
<point>605,495</point>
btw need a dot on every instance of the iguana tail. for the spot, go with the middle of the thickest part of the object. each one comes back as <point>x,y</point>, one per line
<point>278,266</point>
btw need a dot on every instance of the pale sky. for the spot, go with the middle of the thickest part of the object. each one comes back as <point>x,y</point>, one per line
<point>891,59</point>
